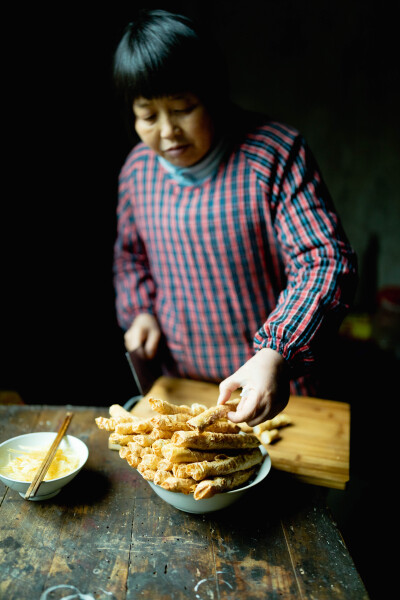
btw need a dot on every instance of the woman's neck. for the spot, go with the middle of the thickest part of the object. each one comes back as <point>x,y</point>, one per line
<point>202,170</point>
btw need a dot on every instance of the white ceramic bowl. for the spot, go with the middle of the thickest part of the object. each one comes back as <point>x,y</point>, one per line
<point>47,489</point>
<point>187,503</point>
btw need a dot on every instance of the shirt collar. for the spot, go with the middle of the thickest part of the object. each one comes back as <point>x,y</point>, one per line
<point>201,170</point>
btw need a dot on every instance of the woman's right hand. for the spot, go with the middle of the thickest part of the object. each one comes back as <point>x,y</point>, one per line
<point>143,335</point>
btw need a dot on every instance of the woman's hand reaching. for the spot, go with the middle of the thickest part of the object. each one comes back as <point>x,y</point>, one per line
<point>265,388</point>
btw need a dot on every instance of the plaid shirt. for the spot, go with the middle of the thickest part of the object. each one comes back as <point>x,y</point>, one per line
<point>253,257</point>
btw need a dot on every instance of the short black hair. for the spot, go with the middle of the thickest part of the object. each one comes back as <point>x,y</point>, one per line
<point>161,54</point>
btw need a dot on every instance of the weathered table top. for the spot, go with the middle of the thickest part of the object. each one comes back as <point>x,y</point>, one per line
<point>107,536</point>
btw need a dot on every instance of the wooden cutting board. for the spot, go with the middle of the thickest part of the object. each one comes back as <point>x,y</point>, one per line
<point>315,448</point>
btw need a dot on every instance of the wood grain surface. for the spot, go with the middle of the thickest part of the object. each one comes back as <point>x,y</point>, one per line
<point>107,536</point>
<point>315,448</point>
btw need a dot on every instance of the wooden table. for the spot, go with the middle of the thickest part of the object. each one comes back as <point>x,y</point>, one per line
<point>110,537</point>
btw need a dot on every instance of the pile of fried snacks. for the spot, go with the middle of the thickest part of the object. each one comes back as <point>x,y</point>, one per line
<point>188,449</point>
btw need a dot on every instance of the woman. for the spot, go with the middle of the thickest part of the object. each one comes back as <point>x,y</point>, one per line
<point>228,245</point>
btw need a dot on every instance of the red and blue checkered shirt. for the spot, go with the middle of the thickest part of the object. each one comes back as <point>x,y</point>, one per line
<point>253,257</point>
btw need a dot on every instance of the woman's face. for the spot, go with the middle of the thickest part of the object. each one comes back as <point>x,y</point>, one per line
<point>178,127</point>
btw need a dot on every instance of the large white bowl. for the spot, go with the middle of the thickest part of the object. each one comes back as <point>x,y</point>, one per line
<point>187,503</point>
<point>47,489</point>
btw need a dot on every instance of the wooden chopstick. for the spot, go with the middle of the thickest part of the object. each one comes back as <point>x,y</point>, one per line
<point>44,467</point>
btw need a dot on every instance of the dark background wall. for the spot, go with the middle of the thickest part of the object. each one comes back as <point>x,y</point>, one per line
<point>327,68</point>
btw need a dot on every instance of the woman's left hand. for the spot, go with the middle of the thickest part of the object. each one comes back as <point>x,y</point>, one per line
<point>265,388</point>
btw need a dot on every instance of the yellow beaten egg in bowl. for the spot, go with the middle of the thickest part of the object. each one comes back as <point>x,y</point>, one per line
<point>187,503</point>
<point>21,456</point>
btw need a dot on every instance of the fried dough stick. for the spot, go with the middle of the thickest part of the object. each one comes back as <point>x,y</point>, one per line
<point>109,424</point>
<point>222,426</point>
<point>209,487</point>
<point>281,420</point>
<point>175,454</point>
<point>147,474</point>
<point>138,449</point>
<point>161,434</point>
<point>179,422</point>
<point>117,439</point>
<point>131,427</point>
<point>106,424</point>
<point>221,466</point>
<point>178,484</point>
<point>123,440</point>
<point>209,416</point>
<point>131,458</point>
<point>150,461</point>
<point>268,436</point>
<point>208,440</point>
<point>160,476</point>
<point>165,465</point>
<point>157,446</point>
<point>170,422</point>
<point>164,407</point>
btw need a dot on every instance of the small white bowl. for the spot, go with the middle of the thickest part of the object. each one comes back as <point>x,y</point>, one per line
<point>187,503</point>
<point>47,489</point>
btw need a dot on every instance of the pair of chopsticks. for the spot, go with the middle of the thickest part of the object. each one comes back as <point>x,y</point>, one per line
<point>44,467</point>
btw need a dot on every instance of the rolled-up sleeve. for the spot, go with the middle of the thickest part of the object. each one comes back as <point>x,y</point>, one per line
<point>320,264</point>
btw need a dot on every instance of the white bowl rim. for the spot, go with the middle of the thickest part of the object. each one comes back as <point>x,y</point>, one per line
<point>82,460</point>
